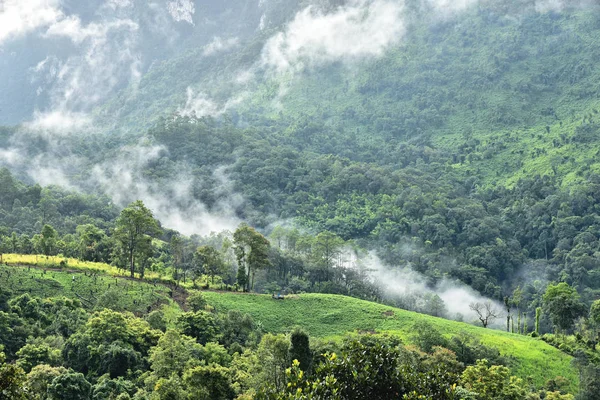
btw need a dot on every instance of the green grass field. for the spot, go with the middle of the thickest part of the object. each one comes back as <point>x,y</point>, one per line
<point>93,290</point>
<point>331,316</point>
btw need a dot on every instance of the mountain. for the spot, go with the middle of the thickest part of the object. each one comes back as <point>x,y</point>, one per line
<point>433,155</point>
<point>466,129</point>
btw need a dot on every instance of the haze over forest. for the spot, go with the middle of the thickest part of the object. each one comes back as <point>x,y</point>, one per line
<point>435,156</point>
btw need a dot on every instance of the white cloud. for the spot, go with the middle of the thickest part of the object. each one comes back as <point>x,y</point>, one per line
<point>19,17</point>
<point>10,157</point>
<point>543,6</point>
<point>218,45</point>
<point>182,10</point>
<point>361,29</point>
<point>59,121</point>
<point>446,6</point>
<point>116,4</point>
<point>200,105</point>
<point>405,282</point>
<point>172,202</point>
<point>105,58</point>
<point>45,171</point>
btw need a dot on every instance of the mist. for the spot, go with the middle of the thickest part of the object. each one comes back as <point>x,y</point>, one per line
<point>411,290</point>
<point>103,55</point>
<point>171,200</point>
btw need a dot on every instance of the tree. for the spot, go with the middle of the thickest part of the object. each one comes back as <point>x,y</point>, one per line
<point>48,240</point>
<point>107,388</point>
<point>39,378</point>
<point>517,299</point>
<point>300,348</point>
<point>435,306</point>
<point>486,312</point>
<point>173,353</point>
<point>209,260</point>
<point>493,383</point>
<point>538,314</point>
<point>326,252</point>
<point>508,316</point>
<point>12,380</point>
<point>242,277</point>
<point>177,252</point>
<point>199,325</point>
<point>211,382</point>
<point>31,355</point>
<point>143,254</point>
<point>132,226</point>
<point>93,243</point>
<point>196,301</point>
<point>252,252</point>
<point>71,385</point>
<point>562,303</point>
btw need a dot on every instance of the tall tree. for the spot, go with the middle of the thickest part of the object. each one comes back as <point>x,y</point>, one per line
<point>562,303</point>
<point>252,252</point>
<point>209,260</point>
<point>133,225</point>
<point>48,239</point>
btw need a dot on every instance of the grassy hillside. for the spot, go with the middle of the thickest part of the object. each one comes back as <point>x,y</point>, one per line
<point>327,316</point>
<point>94,288</point>
<point>321,315</point>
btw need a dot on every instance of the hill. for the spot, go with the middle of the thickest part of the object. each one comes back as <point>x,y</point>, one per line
<point>338,315</point>
<point>330,316</point>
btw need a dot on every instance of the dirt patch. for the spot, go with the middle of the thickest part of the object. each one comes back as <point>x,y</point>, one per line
<point>388,313</point>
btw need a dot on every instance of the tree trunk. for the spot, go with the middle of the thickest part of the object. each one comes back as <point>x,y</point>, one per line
<point>248,280</point>
<point>131,263</point>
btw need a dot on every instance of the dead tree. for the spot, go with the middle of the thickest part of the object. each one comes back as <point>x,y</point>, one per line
<point>486,312</point>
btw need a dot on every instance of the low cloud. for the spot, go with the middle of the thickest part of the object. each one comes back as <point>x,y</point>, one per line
<point>218,45</point>
<point>199,105</point>
<point>413,288</point>
<point>59,122</point>
<point>20,17</point>
<point>182,10</point>
<point>172,201</point>
<point>105,61</point>
<point>313,38</point>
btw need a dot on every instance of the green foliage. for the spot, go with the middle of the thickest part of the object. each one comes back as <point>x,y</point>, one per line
<point>116,389</point>
<point>562,302</point>
<point>368,369</point>
<point>12,380</point>
<point>236,327</point>
<point>200,325</point>
<point>300,348</point>
<point>157,321</point>
<point>196,301</point>
<point>173,354</point>
<point>40,377</point>
<point>492,382</point>
<point>251,250</point>
<point>31,355</point>
<point>210,261</point>
<point>343,314</point>
<point>133,228</point>
<point>209,382</point>
<point>70,385</point>
<point>110,342</point>
<point>427,337</point>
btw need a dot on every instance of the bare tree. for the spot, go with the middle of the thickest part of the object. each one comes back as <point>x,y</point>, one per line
<point>486,312</point>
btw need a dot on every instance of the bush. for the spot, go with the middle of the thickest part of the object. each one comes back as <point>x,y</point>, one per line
<point>196,301</point>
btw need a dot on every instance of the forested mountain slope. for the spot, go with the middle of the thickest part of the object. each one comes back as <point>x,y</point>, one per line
<point>461,143</point>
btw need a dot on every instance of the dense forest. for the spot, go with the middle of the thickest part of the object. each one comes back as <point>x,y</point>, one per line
<point>386,150</point>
